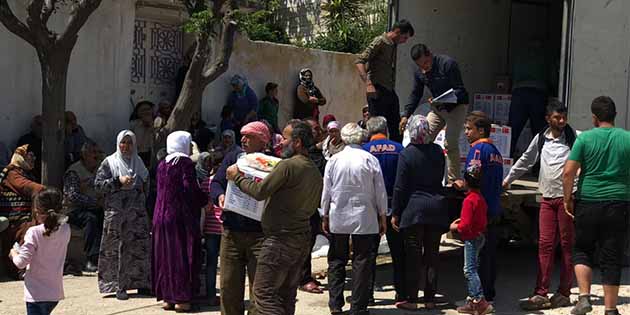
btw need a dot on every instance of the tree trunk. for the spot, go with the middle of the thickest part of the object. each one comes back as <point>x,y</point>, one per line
<point>54,67</point>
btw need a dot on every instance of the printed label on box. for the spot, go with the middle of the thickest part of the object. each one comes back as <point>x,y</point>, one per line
<point>484,103</point>
<point>502,103</point>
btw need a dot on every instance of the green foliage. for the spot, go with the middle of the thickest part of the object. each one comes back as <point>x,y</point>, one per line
<point>200,22</point>
<point>261,24</point>
<point>351,25</point>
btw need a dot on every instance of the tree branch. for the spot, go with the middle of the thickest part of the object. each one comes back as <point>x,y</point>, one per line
<point>48,10</point>
<point>227,43</point>
<point>13,24</point>
<point>80,14</point>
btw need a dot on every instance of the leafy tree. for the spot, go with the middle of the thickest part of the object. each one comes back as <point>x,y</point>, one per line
<point>262,24</point>
<point>53,51</point>
<point>351,24</point>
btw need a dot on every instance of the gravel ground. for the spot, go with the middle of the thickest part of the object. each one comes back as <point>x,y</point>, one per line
<point>517,276</point>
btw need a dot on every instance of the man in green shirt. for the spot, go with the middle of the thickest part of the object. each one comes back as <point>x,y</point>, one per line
<point>601,208</point>
<point>376,67</point>
<point>294,189</point>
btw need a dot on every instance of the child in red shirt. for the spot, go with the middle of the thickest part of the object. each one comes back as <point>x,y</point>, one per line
<point>471,226</point>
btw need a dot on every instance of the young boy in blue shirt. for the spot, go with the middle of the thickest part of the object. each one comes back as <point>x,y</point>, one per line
<point>482,152</point>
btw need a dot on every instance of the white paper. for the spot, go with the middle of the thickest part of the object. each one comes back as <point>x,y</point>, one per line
<point>447,97</point>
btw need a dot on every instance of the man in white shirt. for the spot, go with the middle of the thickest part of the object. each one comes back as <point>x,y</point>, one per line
<point>354,201</point>
<point>552,147</point>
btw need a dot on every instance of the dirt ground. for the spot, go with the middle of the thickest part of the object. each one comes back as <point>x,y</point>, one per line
<point>516,278</point>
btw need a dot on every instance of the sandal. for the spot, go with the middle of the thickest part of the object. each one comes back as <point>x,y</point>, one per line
<point>536,302</point>
<point>183,308</point>
<point>311,287</point>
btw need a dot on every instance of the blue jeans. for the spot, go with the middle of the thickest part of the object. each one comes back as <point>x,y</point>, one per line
<point>40,308</point>
<point>472,248</point>
<point>213,244</point>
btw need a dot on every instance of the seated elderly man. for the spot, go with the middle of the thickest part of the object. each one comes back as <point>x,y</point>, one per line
<point>75,138</point>
<point>85,208</point>
<point>354,201</point>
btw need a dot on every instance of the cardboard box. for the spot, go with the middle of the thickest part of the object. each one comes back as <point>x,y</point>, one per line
<point>484,103</point>
<point>501,114</point>
<point>238,201</point>
<point>501,138</point>
<point>507,165</point>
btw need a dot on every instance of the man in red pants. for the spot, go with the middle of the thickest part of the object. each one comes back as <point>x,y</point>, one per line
<point>551,147</point>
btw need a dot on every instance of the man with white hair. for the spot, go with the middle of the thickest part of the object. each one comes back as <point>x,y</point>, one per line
<point>354,201</point>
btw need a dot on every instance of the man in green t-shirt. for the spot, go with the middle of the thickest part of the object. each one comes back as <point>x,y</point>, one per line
<point>602,201</point>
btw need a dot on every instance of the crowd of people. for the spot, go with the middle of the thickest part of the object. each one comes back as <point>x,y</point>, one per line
<point>149,215</point>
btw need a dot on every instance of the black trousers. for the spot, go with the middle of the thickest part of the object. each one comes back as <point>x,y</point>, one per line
<point>385,103</point>
<point>362,267</point>
<point>396,244</point>
<point>488,263</point>
<point>422,243</point>
<point>92,221</point>
<point>603,225</point>
<point>307,272</point>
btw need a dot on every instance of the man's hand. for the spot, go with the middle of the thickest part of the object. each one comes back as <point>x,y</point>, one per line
<point>370,88</point>
<point>430,100</point>
<point>231,172</point>
<point>395,223</point>
<point>221,201</point>
<point>382,225</point>
<point>13,253</point>
<point>569,208</point>
<point>506,185</point>
<point>459,184</point>
<point>403,124</point>
<point>126,181</point>
<point>326,225</point>
<point>454,225</point>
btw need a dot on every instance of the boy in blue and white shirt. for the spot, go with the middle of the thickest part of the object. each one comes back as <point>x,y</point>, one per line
<point>477,129</point>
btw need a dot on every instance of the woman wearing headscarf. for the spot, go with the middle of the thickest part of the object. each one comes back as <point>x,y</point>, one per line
<point>243,101</point>
<point>176,226</point>
<point>309,97</point>
<point>229,142</point>
<point>124,258</point>
<point>419,211</point>
<point>333,143</point>
<point>17,188</point>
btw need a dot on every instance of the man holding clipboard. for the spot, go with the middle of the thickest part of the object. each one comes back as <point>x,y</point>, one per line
<point>440,73</point>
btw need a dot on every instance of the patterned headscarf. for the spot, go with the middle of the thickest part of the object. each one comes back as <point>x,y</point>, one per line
<point>18,159</point>
<point>257,129</point>
<point>308,83</point>
<point>418,127</point>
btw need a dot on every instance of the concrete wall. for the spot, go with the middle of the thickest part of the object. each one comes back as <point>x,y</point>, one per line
<point>601,58</point>
<point>261,62</point>
<point>98,80</point>
<point>473,32</point>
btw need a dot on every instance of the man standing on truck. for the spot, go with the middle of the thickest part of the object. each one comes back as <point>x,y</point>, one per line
<point>439,73</point>
<point>551,147</point>
<point>600,210</point>
<point>376,66</point>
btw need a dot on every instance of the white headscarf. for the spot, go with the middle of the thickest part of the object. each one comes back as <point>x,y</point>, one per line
<point>133,166</point>
<point>178,145</point>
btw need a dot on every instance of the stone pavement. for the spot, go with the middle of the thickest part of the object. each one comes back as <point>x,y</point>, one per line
<point>517,276</point>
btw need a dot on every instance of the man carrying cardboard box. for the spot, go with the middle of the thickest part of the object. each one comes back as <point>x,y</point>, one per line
<point>242,236</point>
<point>439,73</point>
<point>293,188</point>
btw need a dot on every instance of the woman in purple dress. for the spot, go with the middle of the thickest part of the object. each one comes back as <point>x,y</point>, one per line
<point>176,226</point>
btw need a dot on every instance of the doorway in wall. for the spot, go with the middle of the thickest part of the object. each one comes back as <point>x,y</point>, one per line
<point>157,57</point>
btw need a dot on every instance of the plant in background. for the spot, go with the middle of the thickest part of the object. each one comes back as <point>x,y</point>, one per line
<point>262,24</point>
<point>350,24</point>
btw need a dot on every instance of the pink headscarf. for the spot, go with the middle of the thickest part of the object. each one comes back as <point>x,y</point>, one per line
<point>257,129</point>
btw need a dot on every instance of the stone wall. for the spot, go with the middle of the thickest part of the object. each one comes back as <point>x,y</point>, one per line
<point>334,73</point>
